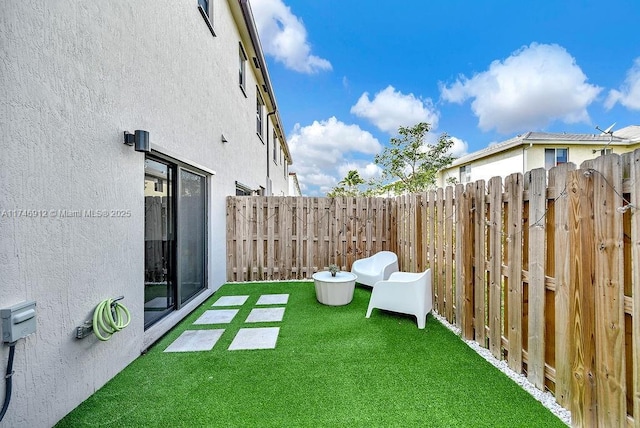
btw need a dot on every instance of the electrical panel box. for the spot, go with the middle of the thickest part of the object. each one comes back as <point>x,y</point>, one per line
<point>18,321</point>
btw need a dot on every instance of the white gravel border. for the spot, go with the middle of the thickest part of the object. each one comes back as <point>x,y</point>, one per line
<point>546,398</point>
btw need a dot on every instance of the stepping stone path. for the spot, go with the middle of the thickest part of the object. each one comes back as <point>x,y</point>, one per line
<point>246,338</point>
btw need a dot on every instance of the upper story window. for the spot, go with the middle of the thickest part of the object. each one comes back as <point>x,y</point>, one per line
<point>204,6</point>
<point>242,69</point>
<point>259,113</point>
<point>554,157</point>
<point>465,173</point>
<point>275,146</point>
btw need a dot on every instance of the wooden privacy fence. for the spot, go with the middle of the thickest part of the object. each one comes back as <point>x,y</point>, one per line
<point>540,269</point>
<point>292,238</point>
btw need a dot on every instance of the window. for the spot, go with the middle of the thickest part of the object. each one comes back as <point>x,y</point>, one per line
<point>275,147</point>
<point>606,152</point>
<point>203,7</point>
<point>242,190</point>
<point>465,173</point>
<point>175,237</point>
<point>259,112</point>
<point>554,157</point>
<point>242,70</point>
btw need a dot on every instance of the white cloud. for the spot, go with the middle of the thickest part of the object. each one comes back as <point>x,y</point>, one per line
<point>459,147</point>
<point>629,93</point>
<point>391,109</point>
<point>367,170</point>
<point>536,85</point>
<point>320,150</point>
<point>284,37</point>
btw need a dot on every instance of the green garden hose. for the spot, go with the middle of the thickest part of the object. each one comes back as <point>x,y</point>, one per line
<point>109,318</point>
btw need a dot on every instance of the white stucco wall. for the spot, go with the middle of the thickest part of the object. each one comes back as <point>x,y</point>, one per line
<point>502,164</point>
<point>73,77</point>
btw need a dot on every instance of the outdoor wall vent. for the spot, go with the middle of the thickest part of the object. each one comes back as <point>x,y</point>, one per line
<point>139,139</point>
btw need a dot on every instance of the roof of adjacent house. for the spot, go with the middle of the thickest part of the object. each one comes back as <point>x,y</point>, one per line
<point>628,135</point>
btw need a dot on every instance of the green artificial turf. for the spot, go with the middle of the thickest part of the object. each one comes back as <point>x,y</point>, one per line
<point>331,367</point>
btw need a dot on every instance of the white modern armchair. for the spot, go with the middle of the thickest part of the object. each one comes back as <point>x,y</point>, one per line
<point>404,292</point>
<point>375,268</point>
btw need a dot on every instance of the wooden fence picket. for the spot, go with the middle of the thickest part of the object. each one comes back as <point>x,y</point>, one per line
<point>608,281</point>
<point>634,204</point>
<point>583,405</point>
<point>448,263</point>
<point>479,266</point>
<point>513,305</point>
<point>495,267</point>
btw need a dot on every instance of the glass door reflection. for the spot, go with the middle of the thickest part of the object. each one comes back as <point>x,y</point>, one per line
<point>159,240</point>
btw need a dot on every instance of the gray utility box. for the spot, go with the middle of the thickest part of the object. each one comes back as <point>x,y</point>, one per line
<point>18,321</point>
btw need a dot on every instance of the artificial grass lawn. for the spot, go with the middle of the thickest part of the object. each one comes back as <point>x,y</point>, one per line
<point>331,367</point>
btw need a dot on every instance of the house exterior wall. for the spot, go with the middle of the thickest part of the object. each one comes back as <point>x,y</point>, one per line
<point>577,153</point>
<point>502,164</point>
<point>525,157</point>
<point>74,76</point>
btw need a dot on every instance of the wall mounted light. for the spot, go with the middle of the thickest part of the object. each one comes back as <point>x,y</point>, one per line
<point>224,139</point>
<point>140,140</point>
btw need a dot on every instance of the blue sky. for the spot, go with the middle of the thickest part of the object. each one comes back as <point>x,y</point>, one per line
<point>346,74</point>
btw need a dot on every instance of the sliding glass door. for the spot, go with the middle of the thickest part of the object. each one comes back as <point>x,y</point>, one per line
<point>175,237</point>
<point>159,240</point>
<point>192,229</point>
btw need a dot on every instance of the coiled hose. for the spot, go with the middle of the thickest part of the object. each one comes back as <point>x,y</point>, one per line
<point>109,318</point>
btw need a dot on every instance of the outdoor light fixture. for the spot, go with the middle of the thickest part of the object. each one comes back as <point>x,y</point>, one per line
<point>224,139</point>
<point>140,140</point>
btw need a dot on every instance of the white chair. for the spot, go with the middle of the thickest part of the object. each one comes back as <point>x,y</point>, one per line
<point>375,268</point>
<point>403,292</point>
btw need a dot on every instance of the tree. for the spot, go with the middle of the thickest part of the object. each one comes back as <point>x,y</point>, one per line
<point>348,186</point>
<point>410,164</point>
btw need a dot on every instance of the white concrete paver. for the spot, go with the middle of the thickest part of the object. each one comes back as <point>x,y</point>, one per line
<point>231,301</point>
<point>273,299</point>
<point>217,316</point>
<point>195,340</point>
<point>265,315</point>
<point>255,338</point>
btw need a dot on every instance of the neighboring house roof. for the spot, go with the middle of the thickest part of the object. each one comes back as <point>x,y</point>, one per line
<point>628,135</point>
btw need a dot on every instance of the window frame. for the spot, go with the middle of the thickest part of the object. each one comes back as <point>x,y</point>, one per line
<point>206,10</point>
<point>547,165</point>
<point>464,174</point>
<point>243,190</point>
<point>242,69</point>
<point>276,144</point>
<point>259,114</point>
